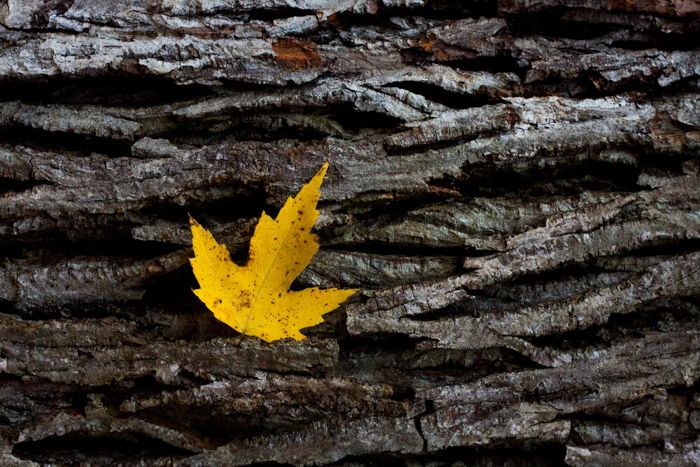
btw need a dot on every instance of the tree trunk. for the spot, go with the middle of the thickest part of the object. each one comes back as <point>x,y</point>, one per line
<point>514,186</point>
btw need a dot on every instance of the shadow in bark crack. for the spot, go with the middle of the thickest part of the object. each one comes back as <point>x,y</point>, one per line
<point>85,447</point>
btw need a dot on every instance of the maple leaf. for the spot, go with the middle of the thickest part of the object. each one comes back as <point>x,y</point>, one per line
<point>255,299</point>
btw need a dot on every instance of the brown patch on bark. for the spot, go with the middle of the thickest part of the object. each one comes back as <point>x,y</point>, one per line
<point>442,52</point>
<point>428,42</point>
<point>334,19</point>
<point>512,116</point>
<point>296,53</point>
<point>621,4</point>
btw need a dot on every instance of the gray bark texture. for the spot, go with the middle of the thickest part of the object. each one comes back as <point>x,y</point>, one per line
<point>514,185</point>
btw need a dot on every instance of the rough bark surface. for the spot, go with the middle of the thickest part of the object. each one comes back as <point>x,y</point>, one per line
<point>514,186</point>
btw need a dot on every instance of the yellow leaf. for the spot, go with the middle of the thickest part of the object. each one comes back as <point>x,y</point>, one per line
<point>255,299</point>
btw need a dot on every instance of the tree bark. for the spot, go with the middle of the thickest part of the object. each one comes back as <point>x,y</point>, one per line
<point>514,186</point>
